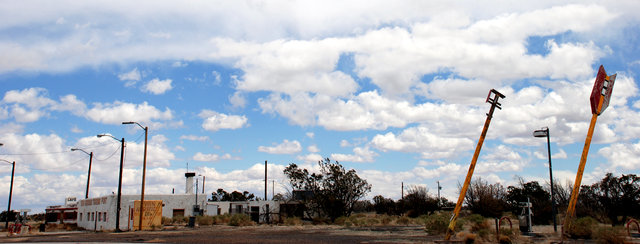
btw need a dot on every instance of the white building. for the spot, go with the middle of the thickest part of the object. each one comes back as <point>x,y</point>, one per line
<point>100,213</point>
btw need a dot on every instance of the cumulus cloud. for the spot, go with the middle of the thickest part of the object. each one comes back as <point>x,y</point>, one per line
<point>115,113</point>
<point>360,155</point>
<point>286,147</point>
<point>133,75</point>
<point>157,86</point>
<point>214,121</point>
<point>213,157</point>
<point>194,138</point>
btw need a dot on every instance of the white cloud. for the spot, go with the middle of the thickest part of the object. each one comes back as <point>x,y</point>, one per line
<point>310,134</point>
<point>286,147</point>
<point>622,155</point>
<point>313,149</point>
<point>422,140</point>
<point>238,100</point>
<point>310,158</point>
<point>178,64</point>
<point>360,155</point>
<point>115,113</point>
<point>194,138</point>
<point>133,75</point>
<point>214,121</point>
<point>213,157</point>
<point>157,86</point>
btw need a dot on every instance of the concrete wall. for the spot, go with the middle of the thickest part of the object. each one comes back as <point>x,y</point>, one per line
<point>100,213</point>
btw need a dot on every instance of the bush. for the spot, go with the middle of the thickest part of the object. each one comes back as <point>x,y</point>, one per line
<point>610,235</point>
<point>292,221</point>
<point>582,228</point>
<point>403,221</point>
<point>241,220</point>
<point>437,223</point>
<point>166,221</point>
<point>179,220</point>
<point>204,220</point>
<point>386,220</point>
<point>221,219</point>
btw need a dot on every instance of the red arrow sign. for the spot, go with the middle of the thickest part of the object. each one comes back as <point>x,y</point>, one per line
<point>602,86</point>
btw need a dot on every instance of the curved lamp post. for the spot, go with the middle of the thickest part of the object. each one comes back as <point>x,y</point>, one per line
<point>13,170</point>
<point>119,180</point>
<point>144,166</point>
<point>86,195</point>
<point>544,132</point>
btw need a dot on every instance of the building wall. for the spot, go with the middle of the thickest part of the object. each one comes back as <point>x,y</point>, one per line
<point>100,213</point>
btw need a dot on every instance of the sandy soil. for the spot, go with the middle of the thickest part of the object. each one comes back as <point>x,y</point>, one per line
<point>250,234</point>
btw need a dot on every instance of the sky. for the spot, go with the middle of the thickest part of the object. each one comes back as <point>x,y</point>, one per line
<point>395,90</point>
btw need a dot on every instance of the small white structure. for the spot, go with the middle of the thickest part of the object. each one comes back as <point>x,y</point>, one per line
<point>100,213</point>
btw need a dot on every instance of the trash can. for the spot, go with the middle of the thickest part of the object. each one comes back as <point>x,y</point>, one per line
<point>192,221</point>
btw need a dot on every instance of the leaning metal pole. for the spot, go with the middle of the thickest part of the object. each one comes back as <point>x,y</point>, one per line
<point>494,103</point>
<point>600,96</point>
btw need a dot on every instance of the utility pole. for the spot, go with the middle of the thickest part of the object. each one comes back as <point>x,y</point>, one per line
<point>402,190</point>
<point>494,104</point>
<point>265,180</point>
<point>119,180</point>
<point>439,188</point>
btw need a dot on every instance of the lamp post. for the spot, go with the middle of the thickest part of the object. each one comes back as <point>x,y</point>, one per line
<point>86,195</point>
<point>119,180</point>
<point>544,132</point>
<point>13,170</point>
<point>144,166</point>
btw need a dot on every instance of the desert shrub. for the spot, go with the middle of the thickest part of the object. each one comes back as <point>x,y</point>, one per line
<point>221,219</point>
<point>470,238</point>
<point>241,220</point>
<point>582,228</point>
<point>292,221</point>
<point>340,220</point>
<point>609,235</point>
<point>204,220</point>
<point>386,220</point>
<point>403,220</point>
<point>166,221</point>
<point>179,220</point>
<point>371,221</point>
<point>321,220</point>
<point>437,223</point>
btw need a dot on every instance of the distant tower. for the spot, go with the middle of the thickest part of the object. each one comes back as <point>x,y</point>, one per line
<point>189,184</point>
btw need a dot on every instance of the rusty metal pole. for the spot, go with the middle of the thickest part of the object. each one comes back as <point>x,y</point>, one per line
<point>494,103</point>
<point>600,96</point>
<point>583,161</point>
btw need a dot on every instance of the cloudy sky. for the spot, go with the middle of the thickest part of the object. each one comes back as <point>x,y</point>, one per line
<point>395,90</point>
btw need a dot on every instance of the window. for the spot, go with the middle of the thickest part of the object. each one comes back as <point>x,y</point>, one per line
<point>93,216</point>
<point>100,216</point>
<point>80,217</point>
<point>88,215</point>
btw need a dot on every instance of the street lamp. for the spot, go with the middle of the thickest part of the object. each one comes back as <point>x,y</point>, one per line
<point>13,170</point>
<point>544,132</point>
<point>89,172</point>
<point>119,180</point>
<point>144,166</point>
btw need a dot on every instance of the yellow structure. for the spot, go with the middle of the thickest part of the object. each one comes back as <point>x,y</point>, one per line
<point>152,215</point>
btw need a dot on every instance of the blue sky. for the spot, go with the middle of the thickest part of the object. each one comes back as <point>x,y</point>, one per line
<point>395,91</point>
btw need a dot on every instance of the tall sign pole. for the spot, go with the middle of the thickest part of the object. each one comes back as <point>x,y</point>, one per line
<point>599,99</point>
<point>494,104</point>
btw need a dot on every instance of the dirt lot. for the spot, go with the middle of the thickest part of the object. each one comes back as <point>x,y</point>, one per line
<point>250,234</point>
